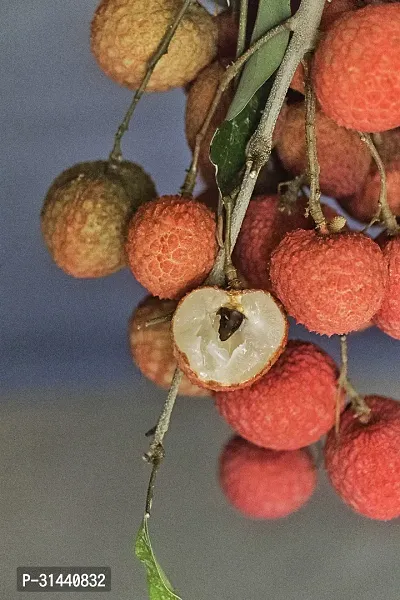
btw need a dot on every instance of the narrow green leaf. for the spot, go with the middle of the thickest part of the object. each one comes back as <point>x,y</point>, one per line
<point>263,63</point>
<point>228,147</point>
<point>158,585</point>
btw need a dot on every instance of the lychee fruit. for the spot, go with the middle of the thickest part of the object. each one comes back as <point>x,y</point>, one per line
<point>152,346</point>
<point>363,462</point>
<point>199,99</point>
<point>356,69</point>
<point>264,226</point>
<point>344,160</point>
<point>265,484</point>
<point>226,339</point>
<point>388,316</point>
<point>125,35</point>
<point>86,212</point>
<point>364,205</point>
<point>266,222</point>
<point>228,29</point>
<point>332,284</point>
<point>171,245</point>
<point>291,406</point>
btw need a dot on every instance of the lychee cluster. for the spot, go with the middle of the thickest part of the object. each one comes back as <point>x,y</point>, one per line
<point>278,396</point>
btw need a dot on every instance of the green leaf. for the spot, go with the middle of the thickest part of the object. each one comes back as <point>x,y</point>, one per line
<point>158,585</point>
<point>265,62</point>
<point>228,147</point>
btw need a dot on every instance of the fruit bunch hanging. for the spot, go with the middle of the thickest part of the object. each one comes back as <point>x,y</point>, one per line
<point>285,102</point>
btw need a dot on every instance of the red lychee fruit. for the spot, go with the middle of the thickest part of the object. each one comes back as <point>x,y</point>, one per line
<point>266,484</point>
<point>356,69</point>
<point>344,160</point>
<point>86,212</point>
<point>331,12</point>
<point>125,34</point>
<point>332,284</point>
<point>363,462</point>
<point>264,226</point>
<point>291,406</point>
<point>152,348</point>
<point>388,316</point>
<point>171,245</point>
<point>364,205</point>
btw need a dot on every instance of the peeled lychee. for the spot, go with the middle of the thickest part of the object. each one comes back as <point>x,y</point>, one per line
<point>265,484</point>
<point>125,34</point>
<point>332,284</point>
<point>171,245</point>
<point>199,99</point>
<point>363,462</point>
<point>388,316</point>
<point>356,69</point>
<point>152,347</point>
<point>364,205</point>
<point>291,406</point>
<point>344,160</point>
<point>226,339</point>
<point>86,213</point>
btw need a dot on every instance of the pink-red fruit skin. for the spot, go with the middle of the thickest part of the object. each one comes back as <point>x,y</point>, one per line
<point>171,245</point>
<point>291,406</point>
<point>344,160</point>
<point>356,69</point>
<point>388,316</point>
<point>265,484</point>
<point>363,462</point>
<point>152,346</point>
<point>332,284</point>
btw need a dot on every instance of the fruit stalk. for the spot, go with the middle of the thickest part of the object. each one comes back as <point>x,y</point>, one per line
<point>383,206</point>
<point>314,202</point>
<point>156,452</point>
<point>162,49</point>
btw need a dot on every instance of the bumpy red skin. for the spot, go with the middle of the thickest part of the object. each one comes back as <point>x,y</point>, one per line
<point>344,160</point>
<point>291,406</point>
<point>265,484</point>
<point>332,284</point>
<point>356,69</point>
<point>263,228</point>
<point>364,205</point>
<point>363,463</point>
<point>388,316</point>
<point>171,245</point>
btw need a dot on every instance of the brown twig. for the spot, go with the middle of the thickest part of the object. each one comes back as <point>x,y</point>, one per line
<point>314,202</point>
<point>156,451</point>
<point>384,209</point>
<point>162,49</point>
<point>358,403</point>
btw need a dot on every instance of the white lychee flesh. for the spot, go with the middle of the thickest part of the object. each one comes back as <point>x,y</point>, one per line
<point>248,353</point>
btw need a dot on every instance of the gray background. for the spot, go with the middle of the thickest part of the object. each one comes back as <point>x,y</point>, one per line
<point>73,407</point>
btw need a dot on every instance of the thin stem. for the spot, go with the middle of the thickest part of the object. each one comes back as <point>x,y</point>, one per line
<point>384,210</point>
<point>314,202</point>
<point>241,41</point>
<point>150,488</point>
<point>157,320</point>
<point>156,451</point>
<point>162,49</point>
<point>230,73</point>
<point>357,401</point>
<point>230,271</point>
